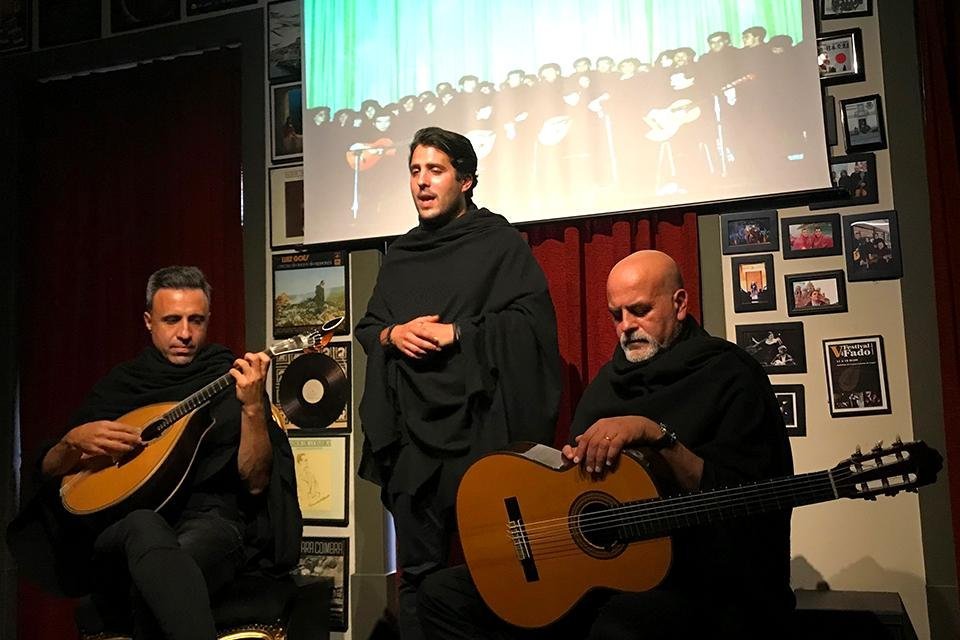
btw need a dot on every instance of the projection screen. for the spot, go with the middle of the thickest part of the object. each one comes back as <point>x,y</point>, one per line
<point>575,107</point>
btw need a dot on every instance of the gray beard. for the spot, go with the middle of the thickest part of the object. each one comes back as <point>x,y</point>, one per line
<point>652,348</point>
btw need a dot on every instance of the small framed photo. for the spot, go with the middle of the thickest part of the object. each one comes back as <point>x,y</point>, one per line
<point>321,460</point>
<point>327,559</point>
<point>754,284</point>
<point>286,206</point>
<point>857,174</point>
<point>126,15</point>
<point>340,352</point>
<point>198,7</point>
<point>15,27</point>
<point>856,376</point>
<point>811,236</point>
<point>835,9</point>
<point>840,57</point>
<point>68,21</point>
<point>778,346</point>
<point>749,232</point>
<point>309,289</point>
<point>793,406</point>
<point>830,120</point>
<point>814,293</point>
<point>283,42</point>
<point>286,116</point>
<point>872,242</point>
<point>863,127</point>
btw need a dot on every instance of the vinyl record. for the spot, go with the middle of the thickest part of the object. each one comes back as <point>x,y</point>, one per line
<point>313,391</point>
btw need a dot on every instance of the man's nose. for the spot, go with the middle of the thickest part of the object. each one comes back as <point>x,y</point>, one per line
<point>183,332</point>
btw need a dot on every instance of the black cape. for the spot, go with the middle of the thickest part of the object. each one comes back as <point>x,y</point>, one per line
<point>500,383</point>
<point>721,405</point>
<point>54,550</point>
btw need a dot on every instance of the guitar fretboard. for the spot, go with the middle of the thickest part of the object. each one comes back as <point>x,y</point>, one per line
<point>197,399</point>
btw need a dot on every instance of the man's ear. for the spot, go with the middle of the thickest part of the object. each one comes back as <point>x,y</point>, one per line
<point>147,321</point>
<point>680,303</point>
<point>466,184</point>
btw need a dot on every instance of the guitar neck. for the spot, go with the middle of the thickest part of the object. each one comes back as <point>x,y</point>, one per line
<point>658,517</point>
<point>198,399</point>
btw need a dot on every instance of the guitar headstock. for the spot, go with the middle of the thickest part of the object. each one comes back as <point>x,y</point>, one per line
<point>312,341</point>
<point>903,466</point>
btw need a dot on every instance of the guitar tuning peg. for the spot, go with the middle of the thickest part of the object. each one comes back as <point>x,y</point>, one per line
<point>898,442</point>
<point>878,446</point>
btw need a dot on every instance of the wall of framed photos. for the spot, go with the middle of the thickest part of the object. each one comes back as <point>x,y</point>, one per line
<point>824,297</point>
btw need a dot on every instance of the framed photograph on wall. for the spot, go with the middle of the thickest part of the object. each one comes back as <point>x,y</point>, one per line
<point>283,40</point>
<point>811,236</point>
<point>778,346</point>
<point>340,352</point>
<point>793,406</point>
<point>749,232</point>
<point>321,460</point>
<point>815,293</point>
<point>863,126</point>
<point>754,283</point>
<point>67,21</point>
<point>327,559</point>
<point>857,382</point>
<point>286,116</point>
<point>840,57</point>
<point>15,25</point>
<point>830,120</point>
<point>836,9</point>
<point>286,206</point>
<point>126,15</point>
<point>309,289</point>
<point>872,246</point>
<point>857,174</point>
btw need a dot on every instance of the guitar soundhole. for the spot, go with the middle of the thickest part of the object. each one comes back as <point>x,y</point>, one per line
<point>593,524</point>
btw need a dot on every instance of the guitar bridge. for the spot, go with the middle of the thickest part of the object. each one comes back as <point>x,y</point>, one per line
<point>521,543</point>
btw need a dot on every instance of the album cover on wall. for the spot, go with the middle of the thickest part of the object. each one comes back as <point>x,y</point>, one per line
<point>309,289</point>
<point>856,376</point>
<point>327,558</point>
<point>340,353</point>
<point>321,460</point>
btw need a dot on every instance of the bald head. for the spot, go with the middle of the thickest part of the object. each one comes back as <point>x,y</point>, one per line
<point>646,298</point>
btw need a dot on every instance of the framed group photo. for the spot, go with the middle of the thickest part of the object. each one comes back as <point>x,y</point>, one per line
<point>749,232</point>
<point>778,346</point>
<point>327,559</point>
<point>321,461</point>
<point>309,289</point>
<point>863,126</point>
<point>872,242</point>
<point>856,376</point>
<point>811,236</point>
<point>286,206</point>
<point>754,284</point>
<point>793,406</point>
<point>339,352</point>
<point>286,117</point>
<point>840,57</point>
<point>857,174</point>
<point>815,293</point>
<point>836,9</point>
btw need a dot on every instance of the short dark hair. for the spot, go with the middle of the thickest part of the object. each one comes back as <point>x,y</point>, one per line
<point>457,147</point>
<point>719,34</point>
<point>176,277</point>
<point>757,31</point>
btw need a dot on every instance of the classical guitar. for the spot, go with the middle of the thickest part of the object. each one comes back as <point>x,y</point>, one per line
<point>362,156</point>
<point>149,476</point>
<point>538,532</point>
<point>666,122</point>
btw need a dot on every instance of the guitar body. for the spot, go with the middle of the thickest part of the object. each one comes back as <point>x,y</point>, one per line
<point>567,557</point>
<point>145,479</point>
<point>665,123</point>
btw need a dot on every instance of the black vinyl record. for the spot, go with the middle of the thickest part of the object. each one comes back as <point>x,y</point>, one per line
<point>313,391</point>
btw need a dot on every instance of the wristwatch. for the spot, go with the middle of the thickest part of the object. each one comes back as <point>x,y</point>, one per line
<point>668,438</point>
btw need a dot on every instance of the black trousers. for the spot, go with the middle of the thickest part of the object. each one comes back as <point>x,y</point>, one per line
<point>451,608</point>
<point>164,573</point>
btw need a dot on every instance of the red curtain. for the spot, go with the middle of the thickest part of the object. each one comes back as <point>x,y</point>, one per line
<point>577,257</point>
<point>938,25</point>
<point>128,171</point>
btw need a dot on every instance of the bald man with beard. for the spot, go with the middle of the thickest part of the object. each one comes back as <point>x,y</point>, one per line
<point>707,409</point>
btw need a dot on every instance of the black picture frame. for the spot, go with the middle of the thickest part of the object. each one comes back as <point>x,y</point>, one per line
<point>840,57</point>
<point>340,353</point>
<point>815,293</point>
<point>327,558</point>
<point>872,246</point>
<point>309,289</point>
<point>200,7</point>
<point>322,466</point>
<point>857,174</point>
<point>793,405</point>
<point>811,236</point>
<point>779,347</point>
<point>749,232</point>
<point>62,22</point>
<point>863,125</point>
<point>754,283</point>
<point>286,206</point>
<point>830,120</point>
<point>841,9</point>
<point>284,41</point>
<point>15,25</point>
<point>286,122</point>
<point>127,16</point>
<point>857,383</point>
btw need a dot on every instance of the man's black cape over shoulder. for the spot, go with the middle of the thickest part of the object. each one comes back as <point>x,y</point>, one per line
<point>720,403</point>
<point>53,550</point>
<point>500,383</point>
